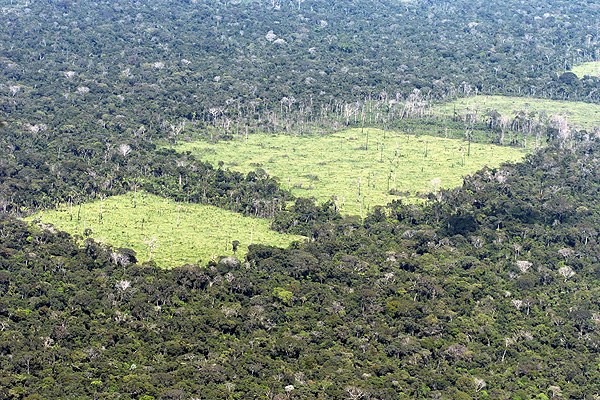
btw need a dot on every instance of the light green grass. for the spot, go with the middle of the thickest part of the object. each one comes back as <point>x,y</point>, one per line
<point>178,233</point>
<point>336,165</point>
<point>583,115</point>
<point>591,68</point>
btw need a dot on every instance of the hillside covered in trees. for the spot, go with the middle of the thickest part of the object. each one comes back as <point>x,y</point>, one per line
<point>486,291</point>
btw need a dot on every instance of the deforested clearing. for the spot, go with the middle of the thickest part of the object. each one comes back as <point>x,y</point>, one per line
<point>357,168</point>
<point>578,114</point>
<point>591,68</point>
<point>164,231</point>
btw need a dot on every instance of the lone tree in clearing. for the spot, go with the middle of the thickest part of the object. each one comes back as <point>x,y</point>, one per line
<point>234,246</point>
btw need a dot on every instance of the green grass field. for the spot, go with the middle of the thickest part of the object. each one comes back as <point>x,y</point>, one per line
<point>338,165</point>
<point>584,115</point>
<point>167,232</point>
<point>591,68</point>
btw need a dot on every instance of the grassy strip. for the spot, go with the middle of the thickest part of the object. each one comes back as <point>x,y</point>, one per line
<point>583,115</point>
<point>591,68</point>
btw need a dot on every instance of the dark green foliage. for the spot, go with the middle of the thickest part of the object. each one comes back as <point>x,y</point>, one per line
<point>304,216</point>
<point>129,70</point>
<point>385,308</point>
<point>32,178</point>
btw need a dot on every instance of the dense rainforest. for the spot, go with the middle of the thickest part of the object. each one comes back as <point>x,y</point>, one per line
<point>124,66</point>
<point>489,290</point>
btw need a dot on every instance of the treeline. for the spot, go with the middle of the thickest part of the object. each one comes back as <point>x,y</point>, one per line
<point>40,172</point>
<point>121,67</point>
<point>488,292</point>
<point>45,167</point>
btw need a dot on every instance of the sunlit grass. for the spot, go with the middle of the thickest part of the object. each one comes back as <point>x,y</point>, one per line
<point>584,115</point>
<point>162,230</point>
<point>358,169</point>
<point>591,68</point>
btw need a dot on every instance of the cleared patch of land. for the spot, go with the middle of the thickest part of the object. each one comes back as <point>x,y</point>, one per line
<point>357,168</point>
<point>158,229</point>
<point>591,68</point>
<point>583,115</point>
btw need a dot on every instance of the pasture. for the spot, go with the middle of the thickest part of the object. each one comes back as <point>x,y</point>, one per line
<point>580,114</point>
<point>161,230</point>
<point>357,168</point>
<point>591,68</point>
